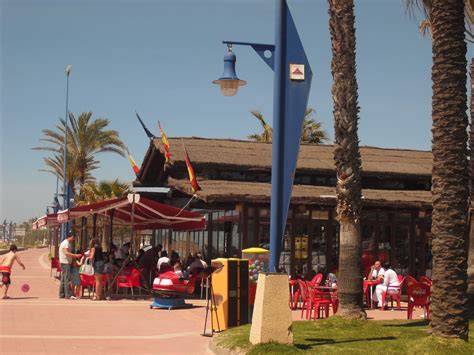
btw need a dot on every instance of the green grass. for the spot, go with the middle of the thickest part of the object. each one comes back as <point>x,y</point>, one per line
<point>336,335</point>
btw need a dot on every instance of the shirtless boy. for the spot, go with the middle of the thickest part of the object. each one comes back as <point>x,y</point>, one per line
<point>6,263</point>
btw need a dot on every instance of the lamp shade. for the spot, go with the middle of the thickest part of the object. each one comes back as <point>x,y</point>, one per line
<point>229,82</point>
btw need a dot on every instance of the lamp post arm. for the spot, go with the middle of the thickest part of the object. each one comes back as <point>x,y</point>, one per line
<point>260,49</point>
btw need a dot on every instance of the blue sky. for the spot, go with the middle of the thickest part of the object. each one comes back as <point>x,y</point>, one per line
<point>159,58</point>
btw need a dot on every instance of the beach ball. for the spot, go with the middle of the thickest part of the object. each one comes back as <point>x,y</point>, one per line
<point>25,287</point>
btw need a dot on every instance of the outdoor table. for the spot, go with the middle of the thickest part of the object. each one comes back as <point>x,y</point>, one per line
<point>371,284</point>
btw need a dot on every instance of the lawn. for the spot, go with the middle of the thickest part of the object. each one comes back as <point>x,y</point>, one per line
<point>335,335</point>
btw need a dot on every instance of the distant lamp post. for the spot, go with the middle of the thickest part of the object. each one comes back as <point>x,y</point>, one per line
<point>229,82</point>
<point>65,225</point>
<point>292,83</point>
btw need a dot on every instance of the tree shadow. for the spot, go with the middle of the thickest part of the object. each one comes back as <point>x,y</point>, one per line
<point>322,341</point>
<point>418,323</point>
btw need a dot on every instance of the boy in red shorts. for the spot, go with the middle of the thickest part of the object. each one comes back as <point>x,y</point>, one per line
<point>6,263</point>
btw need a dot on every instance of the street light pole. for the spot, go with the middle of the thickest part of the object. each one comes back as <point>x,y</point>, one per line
<point>65,180</point>
<point>292,82</point>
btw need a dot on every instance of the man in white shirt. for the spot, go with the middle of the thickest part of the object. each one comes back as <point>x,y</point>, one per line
<point>65,259</point>
<point>389,285</point>
<point>376,271</point>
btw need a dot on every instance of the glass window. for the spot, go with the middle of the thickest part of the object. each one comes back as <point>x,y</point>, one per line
<point>320,215</point>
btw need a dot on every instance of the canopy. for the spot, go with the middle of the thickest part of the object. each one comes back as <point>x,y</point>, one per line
<point>148,214</point>
<point>49,219</point>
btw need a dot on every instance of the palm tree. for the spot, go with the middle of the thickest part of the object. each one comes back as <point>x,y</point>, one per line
<point>311,133</point>
<point>104,190</point>
<point>450,188</point>
<point>347,156</point>
<point>86,138</point>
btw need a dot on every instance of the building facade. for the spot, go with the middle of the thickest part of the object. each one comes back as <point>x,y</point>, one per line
<point>235,198</point>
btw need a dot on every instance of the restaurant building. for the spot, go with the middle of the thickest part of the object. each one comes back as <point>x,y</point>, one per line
<point>234,177</point>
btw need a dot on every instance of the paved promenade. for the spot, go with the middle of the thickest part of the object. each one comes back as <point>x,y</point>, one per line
<point>38,322</point>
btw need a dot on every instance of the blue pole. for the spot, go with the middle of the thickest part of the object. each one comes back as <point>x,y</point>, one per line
<point>278,142</point>
<point>65,182</point>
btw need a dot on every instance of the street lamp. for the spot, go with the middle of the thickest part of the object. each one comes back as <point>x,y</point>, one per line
<point>292,83</point>
<point>65,182</point>
<point>229,82</point>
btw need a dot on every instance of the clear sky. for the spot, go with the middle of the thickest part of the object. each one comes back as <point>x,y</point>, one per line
<point>159,57</point>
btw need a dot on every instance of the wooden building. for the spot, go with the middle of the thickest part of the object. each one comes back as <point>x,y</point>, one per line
<point>235,197</point>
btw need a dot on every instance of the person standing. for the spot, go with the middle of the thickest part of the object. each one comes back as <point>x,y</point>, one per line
<point>97,256</point>
<point>6,264</point>
<point>65,259</point>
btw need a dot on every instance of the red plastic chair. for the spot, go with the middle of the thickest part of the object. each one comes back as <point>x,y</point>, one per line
<point>307,300</point>
<point>55,265</point>
<point>394,295</point>
<point>366,293</point>
<point>87,282</point>
<point>410,280</point>
<point>316,280</point>
<point>419,296</point>
<point>426,280</point>
<point>130,281</point>
<point>320,301</point>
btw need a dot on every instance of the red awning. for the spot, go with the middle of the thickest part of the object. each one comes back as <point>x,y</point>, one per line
<point>148,214</point>
<point>50,219</point>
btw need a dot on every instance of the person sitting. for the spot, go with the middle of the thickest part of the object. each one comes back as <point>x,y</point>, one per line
<point>189,259</point>
<point>111,267</point>
<point>178,269</point>
<point>198,263</point>
<point>174,257</point>
<point>163,261</point>
<point>389,285</point>
<point>122,252</point>
<point>376,272</point>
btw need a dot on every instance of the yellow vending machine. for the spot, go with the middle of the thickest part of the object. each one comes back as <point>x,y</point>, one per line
<point>229,291</point>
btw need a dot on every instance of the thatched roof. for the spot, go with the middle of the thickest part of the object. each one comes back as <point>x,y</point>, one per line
<point>235,191</point>
<point>255,155</point>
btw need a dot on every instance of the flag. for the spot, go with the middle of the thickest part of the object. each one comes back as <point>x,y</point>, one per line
<point>135,167</point>
<point>192,177</point>
<point>166,144</point>
<point>148,133</point>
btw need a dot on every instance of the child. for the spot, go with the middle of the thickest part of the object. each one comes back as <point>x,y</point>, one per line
<point>6,263</point>
<point>76,278</point>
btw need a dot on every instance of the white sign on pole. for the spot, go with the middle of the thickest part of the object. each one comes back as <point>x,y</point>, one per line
<point>297,71</point>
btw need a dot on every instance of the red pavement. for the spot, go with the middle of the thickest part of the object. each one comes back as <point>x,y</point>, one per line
<point>41,323</point>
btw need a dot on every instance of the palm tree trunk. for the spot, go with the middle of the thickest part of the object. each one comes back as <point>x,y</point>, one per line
<point>347,156</point>
<point>450,171</point>
<point>470,259</point>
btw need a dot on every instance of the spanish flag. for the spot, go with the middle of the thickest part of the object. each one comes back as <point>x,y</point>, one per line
<point>192,177</point>
<point>135,167</point>
<point>166,144</point>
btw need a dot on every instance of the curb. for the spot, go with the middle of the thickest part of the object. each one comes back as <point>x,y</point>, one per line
<point>219,350</point>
